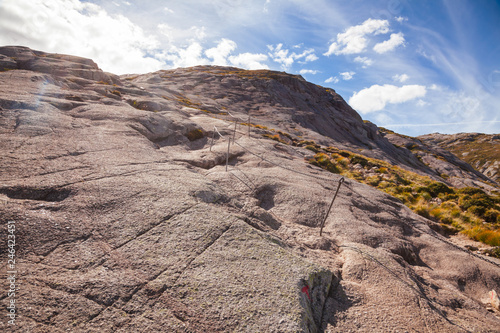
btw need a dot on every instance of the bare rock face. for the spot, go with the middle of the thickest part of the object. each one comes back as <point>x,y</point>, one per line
<point>127,220</point>
<point>54,64</point>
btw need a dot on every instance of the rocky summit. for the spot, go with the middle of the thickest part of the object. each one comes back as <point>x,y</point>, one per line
<point>198,200</point>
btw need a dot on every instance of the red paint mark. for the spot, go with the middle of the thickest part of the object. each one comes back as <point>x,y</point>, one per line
<point>305,289</point>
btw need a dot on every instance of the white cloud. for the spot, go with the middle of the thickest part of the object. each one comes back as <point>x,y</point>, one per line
<point>220,53</point>
<point>376,97</point>
<point>332,79</point>
<point>400,78</point>
<point>311,57</point>
<point>347,75</point>
<point>394,41</point>
<point>281,55</point>
<point>364,60</point>
<point>173,34</point>
<point>249,60</point>
<point>114,42</point>
<point>286,59</point>
<point>401,19</point>
<point>308,71</point>
<point>353,40</point>
<point>78,28</point>
<point>185,57</point>
<point>422,103</point>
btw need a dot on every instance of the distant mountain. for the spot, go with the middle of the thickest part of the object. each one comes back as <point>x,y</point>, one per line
<point>201,200</point>
<point>482,151</point>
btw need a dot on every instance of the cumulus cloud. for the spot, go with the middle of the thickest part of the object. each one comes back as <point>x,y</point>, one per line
<point>353,40</point>
<point>220,53</point>
<point>308,71</point>
<point>394,41</point>
<point>401,19</point>
<point>115,43</point>
<point>364,60</point>
<point>79,28</point>
<point>376,97</point>
<point>286,59</point>
<point>347,75</point>
<point>400,78</point>
<point>311,57</point>
<point>249,60</point>
<point>332,79</point>
<point>191,55</point>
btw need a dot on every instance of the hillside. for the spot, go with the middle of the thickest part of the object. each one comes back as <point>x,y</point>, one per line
<point>135,210</point>
<point>482,151</point>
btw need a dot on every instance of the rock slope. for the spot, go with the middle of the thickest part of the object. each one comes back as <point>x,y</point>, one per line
<point>482,151</point>
<point>127,220</point>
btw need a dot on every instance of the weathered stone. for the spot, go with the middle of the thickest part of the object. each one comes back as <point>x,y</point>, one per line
<point>127,221</point>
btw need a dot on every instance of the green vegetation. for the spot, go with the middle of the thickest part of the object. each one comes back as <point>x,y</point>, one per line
<point>195,134</point>
<point>323,161</point>
<point>478,150</point>
<point>276,137</point>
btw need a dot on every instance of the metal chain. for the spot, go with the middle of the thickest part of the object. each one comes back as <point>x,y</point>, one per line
<point>432,234</point>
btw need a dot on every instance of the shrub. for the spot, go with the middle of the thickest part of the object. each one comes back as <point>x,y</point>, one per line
<point>406,198</point>
<point>492,216</point>
<point>426,196</point>
<point>261,127</point>
<point>437,188</point>
<point>401,180</point>
<point>382,170</point>
<point>477,210</point>
<point>403,189</point>
<point>345,153</point>
<point>323,161</point>
<point>490,237</point>
<point>470,191</point>
<point>360,160</point>
<point>384,184</point>
<point>275,137</point>
<point>477,199</point>
<point>194,134</point>
<point>494,252</point>
<point>437,213</point>
<point>312,148</point>
<point>303,143</point>
<point>339,159</point>
<point>423,211</point>
<point>373,180</point>
<point>285,135</point>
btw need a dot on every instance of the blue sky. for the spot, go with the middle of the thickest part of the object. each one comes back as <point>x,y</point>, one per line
<point>415,67</point>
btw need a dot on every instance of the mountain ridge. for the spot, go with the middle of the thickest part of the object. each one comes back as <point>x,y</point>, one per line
<point>478,149</point>
<point>125,212</point>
